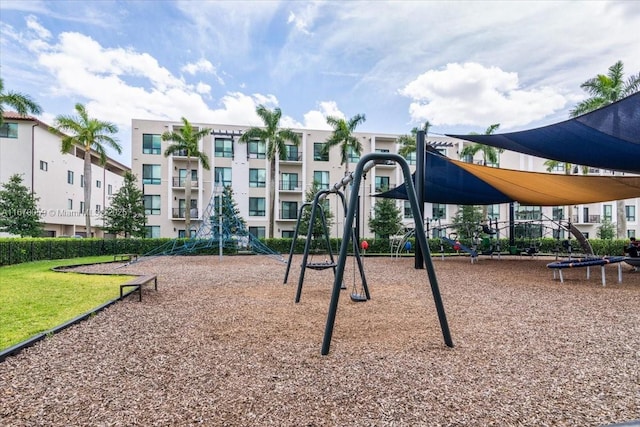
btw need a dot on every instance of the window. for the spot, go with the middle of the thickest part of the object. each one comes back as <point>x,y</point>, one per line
<point>81,207</point>
<point>109,189</point>
<point>468,158</point>
<point>182,177</point>
<point>408,213</point>
<point>257,150</point>
<point>607,212</point>
<point>289,210</point>
<point>382,183</point>
<point>631,233</point>
<point>9,130</point>
<point>438,211</point>
<point>151,205</point>
<point>557,213</point>
<point>318,152</point>
<point>69,177</point>
<point>256,206</point>
<point>493,211</point>
<point>223,147</point>
<point>257,178</point>
<point>258,232</point>
<point>630,212</point>
<point>292,153</point>
<point>223,174</point>
<point>287,234</point>
<point>182,234</point>
<point>352,155</point>
<point>44,166</point>
<point>98,209</point>
<point>70,204</point>
<point>151,144</point>
<point>81,180</point>
<point>558,167</point>
<point>98,184</point>
<point>322,179</point>
<point>151,174</point>
<point>528,212</point>
<point>289,181</point>
<point>411,158</point>
<point>152,231</point>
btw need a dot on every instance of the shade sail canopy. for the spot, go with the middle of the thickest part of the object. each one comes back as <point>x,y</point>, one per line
<point>607,138</point>
<point>451,181</point>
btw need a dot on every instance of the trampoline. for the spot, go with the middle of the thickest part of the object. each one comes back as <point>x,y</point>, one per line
<point>588,263</point>
<point>633,262</point>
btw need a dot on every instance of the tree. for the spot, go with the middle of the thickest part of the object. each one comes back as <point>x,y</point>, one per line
<point>489,154</point>
<point>466,220</point>
<point>386,219</point>
<point>605,90</point>
<point>125,214</point>
<point>606,230</point>
<point>19,212</point>
<point>408,142</point>
<point>232,222</point>
<point>185,142</point>
<point>306,213</point>
<point>275,139</point>
<point>22,103</point>
<point>90,134</point>
<point>343,137</point>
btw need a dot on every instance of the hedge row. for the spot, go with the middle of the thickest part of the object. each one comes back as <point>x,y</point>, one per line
<point>15,251</point>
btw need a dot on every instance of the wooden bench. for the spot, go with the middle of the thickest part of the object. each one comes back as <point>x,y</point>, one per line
<point>137,283</point>
<point>125,257</point>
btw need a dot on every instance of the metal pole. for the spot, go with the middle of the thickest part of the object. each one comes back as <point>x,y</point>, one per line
<point>220,190</point>
<point>420,166</point>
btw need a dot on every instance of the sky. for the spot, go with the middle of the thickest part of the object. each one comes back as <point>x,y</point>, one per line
<point>461,65</point>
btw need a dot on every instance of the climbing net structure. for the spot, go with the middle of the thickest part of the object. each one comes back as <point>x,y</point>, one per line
<point>221,227</point>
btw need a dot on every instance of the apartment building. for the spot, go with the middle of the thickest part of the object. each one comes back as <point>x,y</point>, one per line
<point>29,147</point>
<point>246,169</point>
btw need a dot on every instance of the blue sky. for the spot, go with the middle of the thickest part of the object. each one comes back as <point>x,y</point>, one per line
<point>460,65</point>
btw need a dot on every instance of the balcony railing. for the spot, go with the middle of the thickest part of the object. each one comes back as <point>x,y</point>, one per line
<point>590,219</point>
<point>384,187</point>
<point>288,214</point>
<point>293,157</point>
<point>291,185</point>
<point>180,182</point>
<point>179,213</point>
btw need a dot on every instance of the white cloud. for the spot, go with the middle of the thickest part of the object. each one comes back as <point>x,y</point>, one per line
<point>203,88</point>
<point>202,65</point>
<point>34,25</point>
<point>317,119</point>
<point>472,94</point>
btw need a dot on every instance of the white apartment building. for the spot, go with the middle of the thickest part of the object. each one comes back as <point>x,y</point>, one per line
<point>29,147</point>
<point>246,169</point>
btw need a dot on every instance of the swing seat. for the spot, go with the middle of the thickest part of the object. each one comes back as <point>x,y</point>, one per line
<point>355,297</point>
<point>320,265</point>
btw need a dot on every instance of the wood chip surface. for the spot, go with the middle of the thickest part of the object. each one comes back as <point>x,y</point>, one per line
<point>222,343</point>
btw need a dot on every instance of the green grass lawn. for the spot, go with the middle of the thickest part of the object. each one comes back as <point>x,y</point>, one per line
<point>34,299</point>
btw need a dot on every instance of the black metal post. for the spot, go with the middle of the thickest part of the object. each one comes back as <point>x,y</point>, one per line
<point>419,186</point>
<point>512,226</point>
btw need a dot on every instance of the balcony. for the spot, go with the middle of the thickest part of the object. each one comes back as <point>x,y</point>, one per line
<point>179,213</point>
<point>590,219</point>
<point>384,187</point>
<point>288,215</point>
<point>292,157</point>
<point>291,186</point>
<point>386,164</point>
<point>180,182</point>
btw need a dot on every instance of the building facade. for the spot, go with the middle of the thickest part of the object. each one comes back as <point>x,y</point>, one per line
<point>29,147</point>
<point>245,168</point>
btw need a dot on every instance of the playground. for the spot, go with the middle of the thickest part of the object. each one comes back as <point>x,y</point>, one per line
<point>223,343</point>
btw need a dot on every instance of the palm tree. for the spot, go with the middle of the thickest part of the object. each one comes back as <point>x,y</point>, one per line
<point>489,154</point>
<point>22,103</point>
<point>185,143</point>
<point>275,138</point>
<point>90,134</point>
<point>408,142</point>
<point>605,90</point>
<point>343,137</point>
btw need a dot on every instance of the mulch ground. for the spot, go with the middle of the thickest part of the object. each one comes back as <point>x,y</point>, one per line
<point>222,343</point>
